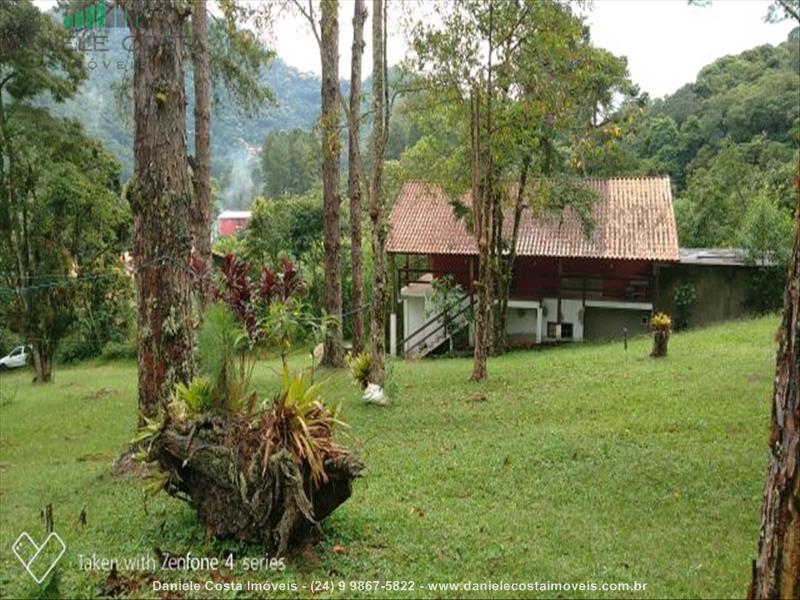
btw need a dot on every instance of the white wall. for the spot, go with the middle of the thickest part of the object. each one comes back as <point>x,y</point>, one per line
<point>414,317</point>
<point>571,313</point>
<point>521,321</point>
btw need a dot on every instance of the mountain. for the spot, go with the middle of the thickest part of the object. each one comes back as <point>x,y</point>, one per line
<point>104,106</point>
<point>729,142</point>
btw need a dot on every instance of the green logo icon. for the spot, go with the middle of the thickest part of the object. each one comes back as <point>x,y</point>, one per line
<point>102,15</point>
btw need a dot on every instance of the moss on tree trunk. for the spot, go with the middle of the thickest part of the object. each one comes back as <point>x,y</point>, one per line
<point>160,195</point>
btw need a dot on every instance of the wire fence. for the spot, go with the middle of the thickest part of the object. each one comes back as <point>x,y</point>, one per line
<point>64,280</point>
<point>61,280</point>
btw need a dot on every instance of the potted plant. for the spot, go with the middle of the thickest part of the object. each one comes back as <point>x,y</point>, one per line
<point>661,325</point>
<point>262,470</point>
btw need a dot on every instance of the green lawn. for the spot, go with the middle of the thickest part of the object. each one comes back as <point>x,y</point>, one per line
<point>577,464</point>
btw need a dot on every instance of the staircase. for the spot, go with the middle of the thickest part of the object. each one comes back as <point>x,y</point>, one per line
<point>438,329</point>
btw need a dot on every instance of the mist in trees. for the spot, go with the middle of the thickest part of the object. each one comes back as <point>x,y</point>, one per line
<point>290,162</point>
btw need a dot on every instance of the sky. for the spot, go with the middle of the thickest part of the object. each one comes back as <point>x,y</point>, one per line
<point>666,41</point>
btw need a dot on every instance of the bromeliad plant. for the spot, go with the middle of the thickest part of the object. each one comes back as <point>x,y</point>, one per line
<point>300,423</point>
<point>359,368</point>
<point>662,327</point>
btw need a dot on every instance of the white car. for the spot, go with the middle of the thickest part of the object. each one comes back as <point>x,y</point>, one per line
<point>18,357</point>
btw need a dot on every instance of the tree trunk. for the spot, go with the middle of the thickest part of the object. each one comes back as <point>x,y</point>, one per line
<point>329,44</point>
<point>509,261</point>
<point>660,343</point>
<point>353,180</point>
<point>275,506</point>
<point>160,196</point>
<point>377,373</point>
<point>201,213</point>
<point>42,363</point>
<point>776,572</point>
<point>481,219</point>
<point>485,214</point>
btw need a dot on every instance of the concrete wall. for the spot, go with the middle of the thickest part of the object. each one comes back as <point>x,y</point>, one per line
<point>521,321</point>
<point>602,323</point>
<point>414,309</point>
<point>720,291</point>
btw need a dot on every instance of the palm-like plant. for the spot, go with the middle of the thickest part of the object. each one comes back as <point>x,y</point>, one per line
<point>300,423</point>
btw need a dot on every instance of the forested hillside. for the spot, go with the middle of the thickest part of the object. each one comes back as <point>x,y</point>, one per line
<point>729,141</point>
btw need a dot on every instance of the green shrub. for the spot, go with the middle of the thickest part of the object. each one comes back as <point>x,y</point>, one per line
<point>765,289</point>
<point>684,296</point>
<point>77,346</point>
<point>197,397</point>
<point>120,350</point>
<point>8,341</point>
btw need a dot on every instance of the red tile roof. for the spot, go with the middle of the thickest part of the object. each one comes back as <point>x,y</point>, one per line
<point>633,219</point>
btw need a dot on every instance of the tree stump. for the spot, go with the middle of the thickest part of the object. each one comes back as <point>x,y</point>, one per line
<point>222,475</point>
<point>660,343</point>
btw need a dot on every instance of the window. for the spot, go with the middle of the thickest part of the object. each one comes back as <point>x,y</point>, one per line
<point>566,330</point>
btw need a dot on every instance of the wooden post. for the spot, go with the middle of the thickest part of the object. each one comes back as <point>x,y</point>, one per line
<point>393,334</point>
<point>539,324</point>
<point>471,275</point>
<point>655,288</point>
<point>558,301</point>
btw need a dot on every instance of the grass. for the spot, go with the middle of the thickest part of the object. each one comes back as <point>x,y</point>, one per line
<point>577,464</point>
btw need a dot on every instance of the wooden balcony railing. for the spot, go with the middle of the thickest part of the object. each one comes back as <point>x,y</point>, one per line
<point>536,286</point>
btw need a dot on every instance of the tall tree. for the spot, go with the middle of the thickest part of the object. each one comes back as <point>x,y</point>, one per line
<point>368,181</point>
<point>483,207</point>
<point>776,572</point>
<point>290,162</point>
<point>380,126</point>
<point>35,57</point>
<point>67,219</point>
<point>353,180</point>
<point>160,195</point>
<point>329,52</point>
<point>518,76</point>
<point>201,211</point>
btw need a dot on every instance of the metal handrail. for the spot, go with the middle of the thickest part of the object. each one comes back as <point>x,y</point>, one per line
<point>447,319</point>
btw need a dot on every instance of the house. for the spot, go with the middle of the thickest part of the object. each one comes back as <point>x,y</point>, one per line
<point>566,286</point>
<point>720,279</point>
<point>230,222</point>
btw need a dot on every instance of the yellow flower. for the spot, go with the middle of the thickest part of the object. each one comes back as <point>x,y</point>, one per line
<point>661,321</point>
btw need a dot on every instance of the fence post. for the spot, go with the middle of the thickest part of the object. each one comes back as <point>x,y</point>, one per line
<point>393,334</point>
